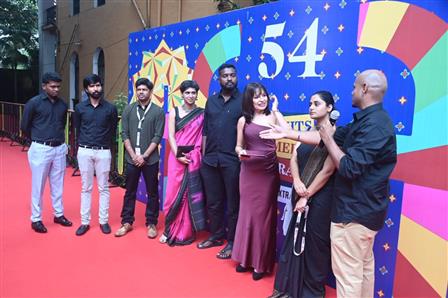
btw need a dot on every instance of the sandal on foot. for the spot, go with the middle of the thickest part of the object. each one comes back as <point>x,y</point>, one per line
<point>209,243</point>
<point>163,239</point>
<point>277,294</point>
<point>225,253</point>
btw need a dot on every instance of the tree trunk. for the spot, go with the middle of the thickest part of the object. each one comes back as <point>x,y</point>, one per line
<point>15,84</point>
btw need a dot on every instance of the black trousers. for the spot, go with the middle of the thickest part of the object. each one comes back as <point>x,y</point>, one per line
<point>221,185</point>
<point>150,175</point>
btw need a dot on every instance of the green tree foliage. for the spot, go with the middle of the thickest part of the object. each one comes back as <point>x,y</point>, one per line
<point>18,33</point>
<point>121,101</point>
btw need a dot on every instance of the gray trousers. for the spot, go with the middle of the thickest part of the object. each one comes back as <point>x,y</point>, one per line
<point>46,162</point>
<point>92,162</point>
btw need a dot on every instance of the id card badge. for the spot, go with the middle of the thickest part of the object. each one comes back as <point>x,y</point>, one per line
<point>137,151</point>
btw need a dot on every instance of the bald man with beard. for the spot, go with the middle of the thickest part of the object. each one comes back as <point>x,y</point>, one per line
<point>364,152</point>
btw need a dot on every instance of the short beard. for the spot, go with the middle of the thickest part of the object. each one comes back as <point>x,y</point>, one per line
<point>145,100</point>
<point>96,95</point>
<point>229,89</point>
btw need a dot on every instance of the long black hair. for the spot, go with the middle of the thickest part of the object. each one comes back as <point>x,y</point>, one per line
<point>251,90</point>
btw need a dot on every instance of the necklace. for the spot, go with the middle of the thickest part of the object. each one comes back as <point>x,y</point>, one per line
<point>188,111</point>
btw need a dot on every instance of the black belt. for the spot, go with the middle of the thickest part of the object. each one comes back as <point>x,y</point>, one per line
<point>50,143</point>
<point>95,147</point>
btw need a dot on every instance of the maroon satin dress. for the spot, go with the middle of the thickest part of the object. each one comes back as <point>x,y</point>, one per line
<point>254,244</point>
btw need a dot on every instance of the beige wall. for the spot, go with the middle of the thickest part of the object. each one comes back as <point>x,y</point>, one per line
<point>108,27</point>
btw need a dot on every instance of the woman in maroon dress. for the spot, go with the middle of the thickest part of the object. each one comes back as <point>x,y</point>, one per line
<point>254,245</point>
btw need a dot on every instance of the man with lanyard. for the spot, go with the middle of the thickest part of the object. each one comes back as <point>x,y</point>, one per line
<point>95,122</point>
<point>44,119</point>
<point>142,129</point>
<point>220,165</point>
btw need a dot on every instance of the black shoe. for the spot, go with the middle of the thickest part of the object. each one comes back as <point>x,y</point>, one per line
<point>39,227</point>
<point>62,221</point>
<point>82,230</point>
<point>257,275</point>
<point>241,269</point>
<point>105,228</point>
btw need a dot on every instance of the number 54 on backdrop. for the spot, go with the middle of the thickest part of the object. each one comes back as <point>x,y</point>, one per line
<point>298,47</point>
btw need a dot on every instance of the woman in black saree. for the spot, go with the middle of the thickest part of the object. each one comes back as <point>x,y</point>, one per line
<point>304,261</point>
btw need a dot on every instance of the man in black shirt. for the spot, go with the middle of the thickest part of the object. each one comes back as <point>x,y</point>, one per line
<point>95,122</point>
<point>365,154</point>
<point>43,120</point>
<point>220,165</point>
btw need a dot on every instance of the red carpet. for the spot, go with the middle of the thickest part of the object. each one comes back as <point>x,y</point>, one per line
<point>60,264</point>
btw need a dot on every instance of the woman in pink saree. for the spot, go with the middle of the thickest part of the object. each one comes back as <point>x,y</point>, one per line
<point>184,204</point>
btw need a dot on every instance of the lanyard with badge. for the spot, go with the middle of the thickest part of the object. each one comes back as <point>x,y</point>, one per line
<point>139,128</point>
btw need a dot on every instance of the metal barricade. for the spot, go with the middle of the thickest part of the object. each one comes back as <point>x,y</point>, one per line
<point>11,116</point>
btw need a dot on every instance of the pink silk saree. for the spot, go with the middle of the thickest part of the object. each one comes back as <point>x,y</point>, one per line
<point>184,202</point>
